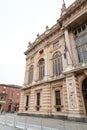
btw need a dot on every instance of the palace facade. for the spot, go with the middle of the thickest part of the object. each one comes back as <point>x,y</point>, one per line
<point>56,67</point>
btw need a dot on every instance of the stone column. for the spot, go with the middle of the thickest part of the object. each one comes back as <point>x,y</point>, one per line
<point>68,52</point>
<point>73,45</point>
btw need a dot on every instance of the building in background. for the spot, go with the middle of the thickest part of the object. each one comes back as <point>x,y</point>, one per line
<point>55,82</point>
<point>9,98</point>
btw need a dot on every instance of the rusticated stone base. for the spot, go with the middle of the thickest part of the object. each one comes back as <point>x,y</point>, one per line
<point>61,117</point>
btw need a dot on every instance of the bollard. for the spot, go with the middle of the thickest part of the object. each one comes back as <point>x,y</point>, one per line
<point>6,120</point>
<point>14,121</point>
<point>41,125</point>
<point>25,127</point>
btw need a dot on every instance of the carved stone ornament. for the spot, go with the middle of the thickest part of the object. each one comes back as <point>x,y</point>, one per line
<point>72,100</point>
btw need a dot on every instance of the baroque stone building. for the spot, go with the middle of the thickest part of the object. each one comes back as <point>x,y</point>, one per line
<point>56,67</point>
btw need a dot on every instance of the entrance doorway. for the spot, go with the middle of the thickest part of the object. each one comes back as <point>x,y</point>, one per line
<point>84,90</point>
<point>9,108</point>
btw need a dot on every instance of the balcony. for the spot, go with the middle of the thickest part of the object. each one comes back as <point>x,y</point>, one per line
<point>80,66</point>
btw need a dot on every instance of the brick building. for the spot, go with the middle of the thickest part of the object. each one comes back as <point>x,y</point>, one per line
<point>9,97</point>
<point>56,67</point>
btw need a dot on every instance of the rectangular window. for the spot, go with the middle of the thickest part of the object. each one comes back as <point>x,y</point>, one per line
<point>2,96</point>
<point>57,97</point>
<point>38,99</point>
<point>80,29</point>
<point>58,100</point>
<point>38,102</point>
<point>27,102</point>
<point>55,44</point>
<point>41,72</point>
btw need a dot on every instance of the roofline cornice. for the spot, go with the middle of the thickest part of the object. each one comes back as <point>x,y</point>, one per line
<point>71,9</point>
<point>43,36</point>
<point>11,85</point>
<point>58,25</point>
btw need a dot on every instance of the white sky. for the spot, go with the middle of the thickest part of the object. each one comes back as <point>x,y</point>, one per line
<point>20,21</point>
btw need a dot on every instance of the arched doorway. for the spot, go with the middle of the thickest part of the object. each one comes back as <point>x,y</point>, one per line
<point>84,90</point>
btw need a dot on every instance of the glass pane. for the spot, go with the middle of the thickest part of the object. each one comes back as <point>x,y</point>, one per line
<point>57,72</point>
<point>57,54</point>
<point>83,27</point>
<point>57,96</point>
<point>55,44</point>
<point>82,40</point>
<point>85,56</point>
<point>57,65</point>
<point>27,100</point>
<point>38,99</point>
<point>41,61</point>
<point>79,29</point>
<point>56,69</point>
<point>83,48</point>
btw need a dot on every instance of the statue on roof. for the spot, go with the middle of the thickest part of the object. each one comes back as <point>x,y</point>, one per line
<point>63,8</point>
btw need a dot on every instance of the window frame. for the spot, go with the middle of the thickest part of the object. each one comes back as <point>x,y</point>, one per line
<point>38,100</point>
<point>82,48</point>
<point>58,106</point>
<point>57,97</point>
<point>27,103</point>
<point>57,63</point>
<point>56,44</point>
<point>41,69</point>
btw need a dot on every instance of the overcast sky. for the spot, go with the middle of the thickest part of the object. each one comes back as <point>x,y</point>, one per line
<point>20,21</point>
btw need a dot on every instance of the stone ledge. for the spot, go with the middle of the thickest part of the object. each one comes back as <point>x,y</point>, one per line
<point>61,117</point>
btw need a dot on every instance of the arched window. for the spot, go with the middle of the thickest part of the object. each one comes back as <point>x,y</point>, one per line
<point>57,63</point>
<point>41,68</point>
<point>31,70</point>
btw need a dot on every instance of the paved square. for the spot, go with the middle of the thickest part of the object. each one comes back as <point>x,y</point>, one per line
<point>5,127</point>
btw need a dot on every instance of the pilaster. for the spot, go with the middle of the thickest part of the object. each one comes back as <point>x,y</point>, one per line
<point>26,78</point>
<point>21,107</point>
<point>35,78</point>
<point>73,46</point>
<point>47,68</point>
<point>72,95</point>
<point>46,100</point>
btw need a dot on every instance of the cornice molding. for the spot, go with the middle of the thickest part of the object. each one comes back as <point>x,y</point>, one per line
<point>58,25</point>
<point>43,37</point>
<point>71,9</point>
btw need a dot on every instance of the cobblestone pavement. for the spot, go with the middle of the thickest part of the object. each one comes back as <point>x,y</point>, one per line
<point>36,123</point>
